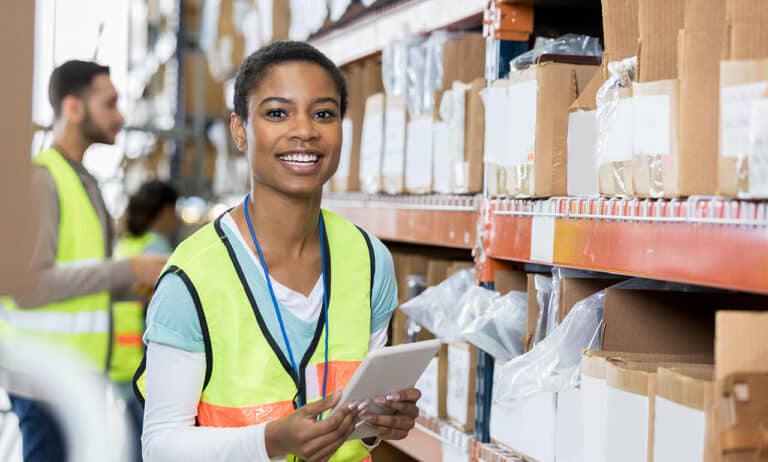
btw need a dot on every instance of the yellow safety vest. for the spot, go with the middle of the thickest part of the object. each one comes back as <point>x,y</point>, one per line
<point>81,323</point>
<point>248,379</point>
<point>128,319</point>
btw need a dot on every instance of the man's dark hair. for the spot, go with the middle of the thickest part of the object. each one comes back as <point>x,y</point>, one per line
<point>256,66</point>
<point>72,78</point>
<point>146,205</point>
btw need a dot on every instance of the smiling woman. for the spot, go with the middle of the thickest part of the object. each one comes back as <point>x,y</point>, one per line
<point>284,298</point>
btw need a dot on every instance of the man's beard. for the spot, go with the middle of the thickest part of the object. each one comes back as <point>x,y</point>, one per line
<point>92,132</point>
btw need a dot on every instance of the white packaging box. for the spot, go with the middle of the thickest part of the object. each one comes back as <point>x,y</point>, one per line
<point>582,162</point>
<point>628,411</point>
<point>568,425</point>
<point>429,384</point>
<point>527,426</point>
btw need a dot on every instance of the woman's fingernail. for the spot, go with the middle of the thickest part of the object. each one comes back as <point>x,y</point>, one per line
<point>393,396</point>
<point>368,417</point>
<point>362,406</point>
<point>380,401</point>
<point>351,406</point>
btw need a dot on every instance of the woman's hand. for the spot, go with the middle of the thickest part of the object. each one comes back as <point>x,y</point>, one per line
<point>301,434</point>
<point>397,425</point>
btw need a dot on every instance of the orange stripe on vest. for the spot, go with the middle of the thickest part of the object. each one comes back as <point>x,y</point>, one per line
<point>129,339</point>
<point>211,415</point>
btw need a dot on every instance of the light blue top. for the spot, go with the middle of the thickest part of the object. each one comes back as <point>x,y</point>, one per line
<point>172,318</point>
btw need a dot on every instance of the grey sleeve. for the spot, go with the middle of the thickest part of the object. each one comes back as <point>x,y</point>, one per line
<point>55,283</point>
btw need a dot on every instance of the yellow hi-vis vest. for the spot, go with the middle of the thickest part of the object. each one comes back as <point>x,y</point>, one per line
<point>248,379</point>
<point>128,319</point>
<point>81,323</point>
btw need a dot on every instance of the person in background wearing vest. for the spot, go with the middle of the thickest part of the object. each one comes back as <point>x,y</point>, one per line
<point>151,223</point>
<point>70,304</point>
<point>262,316</point>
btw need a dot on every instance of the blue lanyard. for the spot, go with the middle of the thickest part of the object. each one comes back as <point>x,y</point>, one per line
<point>277,307</point>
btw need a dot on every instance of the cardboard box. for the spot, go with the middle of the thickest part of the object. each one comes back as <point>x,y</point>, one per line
<point>743,92</point>
<point>594,391</point>
<point>698,137</point>
<point>620,28</point>
<point>363,80</point>
<point>741,374</point>
<point>463,59</point>
<point>372,144</point>
<point>467,176</point>
<point>683,409</point>
<point>212,92</point>
<point>461,399</point>
<point>631,397</point>
<point>533,313</point>
<point>650,321</point>
<point>659,23</point>
<point>527,153</point>
<point>582,140</point>
<point>437,271</point>
<point>395,132</point>
<point>411,276</point>
<point>223,44</point>
<point>746,34</point>
<point>420,139</point>
<point>573,290</point>
<point>568,425</point>
<point>528,426</point>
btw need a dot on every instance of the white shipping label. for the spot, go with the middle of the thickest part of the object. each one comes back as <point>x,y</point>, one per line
<point>521,122</point>
<point>345,157</point>
<point>394,142</point>
<point>418,154</point>
<point>372,145</point>
<point>495,101</point>
<point>735,112</point>
<point>652,133</point>
<point>428,385</point>
<point>618,132</point>
<point>442,159</point>
<point>458,383</point>
<point>758,149</point>
<point>543,239</point>
<point>581,164</point>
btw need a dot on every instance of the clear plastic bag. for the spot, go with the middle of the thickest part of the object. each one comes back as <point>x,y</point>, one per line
<point>498,329</point>
<point>438,308</point>
<point>569,44</point>
<point>614,129</point>
<point>555,363</point>
<point>394,67</point>
<point>543,286</point>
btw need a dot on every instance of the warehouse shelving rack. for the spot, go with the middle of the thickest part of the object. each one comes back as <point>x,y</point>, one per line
<point>708,241</point>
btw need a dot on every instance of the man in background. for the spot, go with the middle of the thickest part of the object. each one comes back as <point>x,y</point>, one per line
<point>71,302</point>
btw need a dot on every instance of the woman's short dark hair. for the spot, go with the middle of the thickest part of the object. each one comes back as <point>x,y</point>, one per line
<point>256,66</point>
<point>146,205</point>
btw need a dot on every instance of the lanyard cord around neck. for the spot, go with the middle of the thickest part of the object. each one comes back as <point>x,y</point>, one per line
<point>277,307</point>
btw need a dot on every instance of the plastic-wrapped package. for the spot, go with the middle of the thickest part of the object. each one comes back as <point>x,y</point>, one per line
<point>415,71</point>
<point>554,302</point>
<point>615,127</point>
<point>438,308</point>
<point>544,290</point>
<point>394,67</point>
<point>569,44</point>
<point>498,328</point>
<point>555,363</point>
<point>338,8</point>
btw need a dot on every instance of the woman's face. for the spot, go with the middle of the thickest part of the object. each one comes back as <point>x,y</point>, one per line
<point>293,132</point>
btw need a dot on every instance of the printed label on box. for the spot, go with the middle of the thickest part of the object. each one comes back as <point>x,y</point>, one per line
<point>371,145</point>
<point>652,125</point>
<point>758,145</point>
<point>428,385</point>
<point>618,131</point>
<point>458,384</point>
<point>394,144</point>
<point>735,113</point>
<point>581,164</point>
<point>418,157</point>
<point>496,101</point>
<point>521,125</point>
<point>345,157</point>
<point>442,160</point>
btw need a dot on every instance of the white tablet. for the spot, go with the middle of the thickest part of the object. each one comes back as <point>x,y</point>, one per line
<point>386,371</point>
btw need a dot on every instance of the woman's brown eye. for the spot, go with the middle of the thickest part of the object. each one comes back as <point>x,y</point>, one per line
<point>325,115</point>
<point>276,114</point>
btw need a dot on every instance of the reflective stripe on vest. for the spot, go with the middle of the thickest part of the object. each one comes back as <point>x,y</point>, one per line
<point>81,323</point>
<point>128,319</point>
<point>250,380</point>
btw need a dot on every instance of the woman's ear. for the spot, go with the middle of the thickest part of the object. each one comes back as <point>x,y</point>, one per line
<point>237,128</point>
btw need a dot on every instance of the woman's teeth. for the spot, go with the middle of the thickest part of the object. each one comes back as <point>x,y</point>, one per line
<point>299,159</point>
